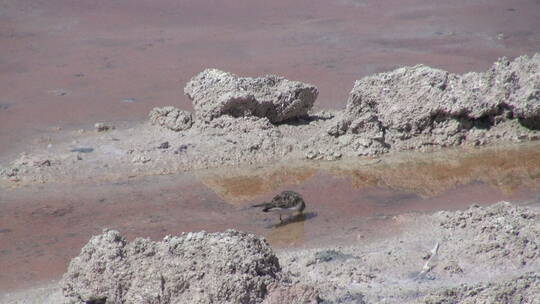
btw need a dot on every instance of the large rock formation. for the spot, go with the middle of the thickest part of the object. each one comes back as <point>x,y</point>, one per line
<point>419,106</point>
<point>229,267</point>
<point>216,93</point>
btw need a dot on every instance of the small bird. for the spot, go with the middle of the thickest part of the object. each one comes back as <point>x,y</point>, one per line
<point>285,203</point>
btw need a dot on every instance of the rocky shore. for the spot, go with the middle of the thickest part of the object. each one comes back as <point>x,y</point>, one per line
<point>240,120</point>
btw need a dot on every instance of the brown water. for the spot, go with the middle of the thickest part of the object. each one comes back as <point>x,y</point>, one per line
<point>71,63</point>
<point>43,227</point>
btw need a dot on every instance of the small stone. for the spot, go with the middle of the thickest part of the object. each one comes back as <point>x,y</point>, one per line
<point>59,92</point>
<point>141,159</point>
<point>82,150</point>
<point>345,140</point>
<point>164,145</point>
<point>44,163</point>
<point>102,127</point>
<point>171,118</point>
<point>311,155</point>
<point>181,149</point>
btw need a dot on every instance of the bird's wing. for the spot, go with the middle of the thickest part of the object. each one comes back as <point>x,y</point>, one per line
<point>281,204</point>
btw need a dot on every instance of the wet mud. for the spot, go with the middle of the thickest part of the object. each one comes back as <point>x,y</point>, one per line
<point>87,60</point>
<point>43,227</point>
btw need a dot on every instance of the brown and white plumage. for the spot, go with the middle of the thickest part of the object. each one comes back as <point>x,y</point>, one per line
<point>287,202</point>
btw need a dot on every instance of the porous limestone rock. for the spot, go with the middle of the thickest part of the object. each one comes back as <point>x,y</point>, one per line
<point>415,107</point>
<point>229,267</point>
<point>216,93</point>
<point>171,118</point>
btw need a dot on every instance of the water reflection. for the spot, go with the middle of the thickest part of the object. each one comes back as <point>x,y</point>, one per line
<point>239,185</point>
<point>507,169</point>
<point>290,232</point>
<point>42,228</point>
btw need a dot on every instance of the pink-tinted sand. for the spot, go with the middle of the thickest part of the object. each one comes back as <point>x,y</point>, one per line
<point>71,63</point>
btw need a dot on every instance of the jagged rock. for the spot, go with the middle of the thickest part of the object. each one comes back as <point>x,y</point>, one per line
<point>419,106</point>
<point>216,93</point>
<point>171,118</point>
<point>523,289</point>
<point>229,267</point>
<point>499,231</point>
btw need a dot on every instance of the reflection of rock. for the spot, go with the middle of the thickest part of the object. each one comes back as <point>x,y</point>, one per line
<point>215,93</point>
<point>236,186</point>
<point>504,168</point>
<point>421,107</point>
<point>171,118</point>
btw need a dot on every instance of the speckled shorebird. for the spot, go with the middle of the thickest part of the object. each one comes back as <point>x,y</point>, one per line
<point>285,203</point>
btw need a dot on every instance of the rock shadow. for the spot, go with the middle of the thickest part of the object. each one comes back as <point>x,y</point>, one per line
<point>305,120</point>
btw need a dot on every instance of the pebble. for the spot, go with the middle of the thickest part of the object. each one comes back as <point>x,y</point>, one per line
<point>164,145</point>
<point>311,155</point>
<point>102,127</point>
<point>82,150</point>
<point>141,159</point>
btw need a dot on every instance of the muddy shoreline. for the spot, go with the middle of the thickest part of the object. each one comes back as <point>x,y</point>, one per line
<point>479,254</point>
<point>88,58</point>
<point>256,121</point>
<point>368,196</point>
